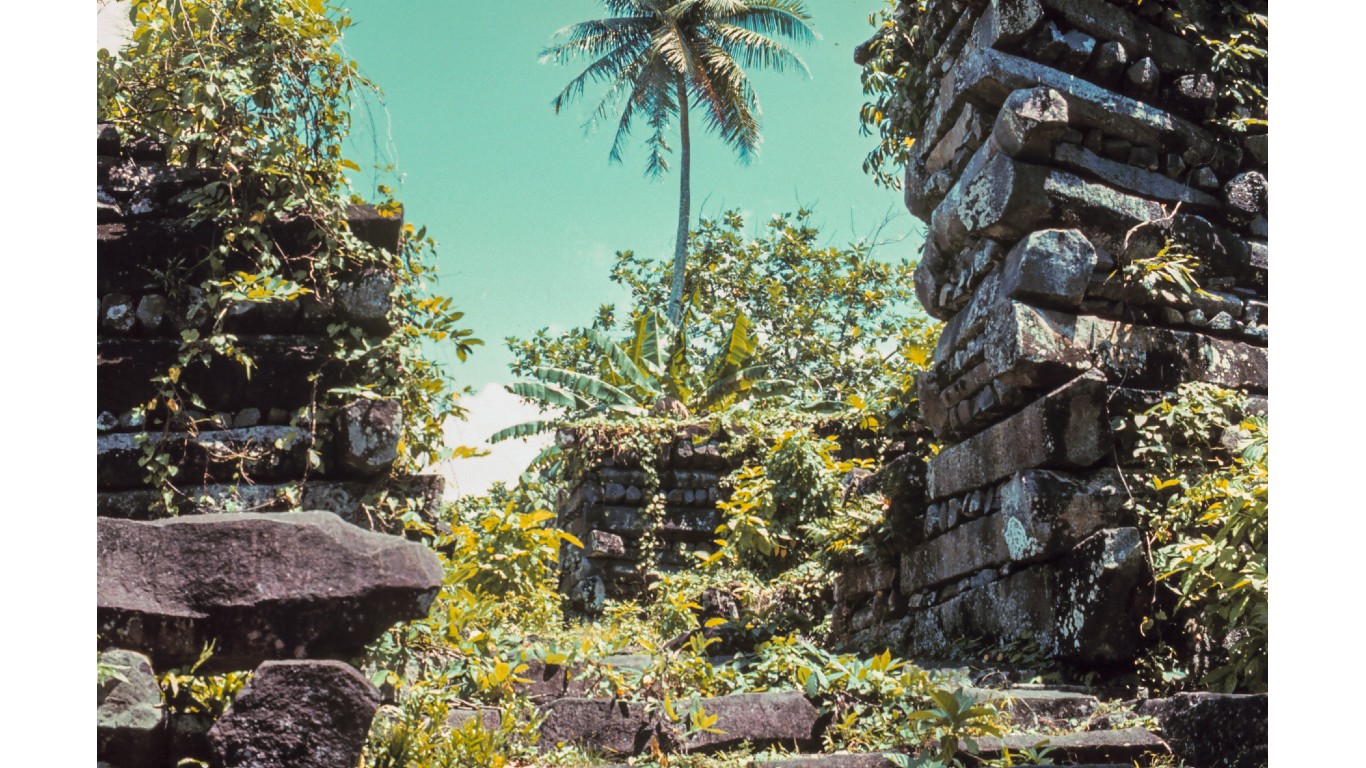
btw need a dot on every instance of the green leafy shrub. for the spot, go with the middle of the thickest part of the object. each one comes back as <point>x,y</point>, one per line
<point>1202,498</point>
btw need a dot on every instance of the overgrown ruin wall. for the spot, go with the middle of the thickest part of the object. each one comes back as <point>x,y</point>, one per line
<point>1063,140</point>
<point>245,444</point>
<point>634,514</point>
<point>291,596</point>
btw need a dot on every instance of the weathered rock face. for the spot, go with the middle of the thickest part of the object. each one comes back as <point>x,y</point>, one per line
<point>1212,730</point>
<point>130,722</point>
<point>367,436</point>
<point>1064,152</point>
<point>623,727</point>
<point>261,586</point>
<point>296,714</point>
<point>762,719</point>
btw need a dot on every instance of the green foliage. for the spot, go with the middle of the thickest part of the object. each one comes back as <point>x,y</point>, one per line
<point>1202,498</point>
<point>257,94</point>
<point>1234,33</point>
<point>835,322</point>
<point>652,368</point>
<point>893,77</point>
<point>415,734</point>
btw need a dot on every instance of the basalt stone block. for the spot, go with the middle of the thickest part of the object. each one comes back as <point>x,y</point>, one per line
<point>995,197</point>
<point>1040,706</point>
<point>1162,358</point>
<point>151,311</point>
<point>368,432</point>
<point>118,313</point>
<point>1131,746</point>
<point>602,544</point>
<point>1001,198</point>
<point>1098,587</point>
<point>1083,609</point>
<point>609,725</point>
<point>860,581</point>
<point>1041,515</point>
<point>1194,93</point>
<point>381,229</point>
<point>1114,23</point>
<point>1214,730</point>
<point>1066,429</point>
<point>1031,122</point>
<point>130,721</point>
<point>1143,77</point>
<point>1004,22</point>
<point>1245,196</point>
<point>346,499</point>
<point>1137,180</point>
<point>1050,268</point>
<point>1111,60</point>
<point>989,77</point>
<point>762,719</point>
<point>262,453</point>
<point>260,586</point>
<point>283,364</point>
<point>296,714</point>
<point>365,300</point>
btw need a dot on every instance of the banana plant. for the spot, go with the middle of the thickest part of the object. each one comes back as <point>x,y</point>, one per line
<point>654,363</point>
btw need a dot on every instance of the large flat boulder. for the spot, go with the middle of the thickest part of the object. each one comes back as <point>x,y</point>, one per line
<point>296,714</point>
<point>259,586</point>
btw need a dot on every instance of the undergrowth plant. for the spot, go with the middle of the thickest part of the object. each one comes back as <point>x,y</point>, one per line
<point>1201,493</point>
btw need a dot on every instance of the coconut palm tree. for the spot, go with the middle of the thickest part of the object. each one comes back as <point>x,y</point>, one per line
<point>664,56</point>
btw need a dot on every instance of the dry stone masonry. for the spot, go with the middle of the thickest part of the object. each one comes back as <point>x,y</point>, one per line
<point>254,441</point>
<point>294,596</point>
<point>633,513</point>
<point>1062,141</point>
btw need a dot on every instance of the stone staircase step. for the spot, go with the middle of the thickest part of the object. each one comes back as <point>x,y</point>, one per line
<point>780,718</point>
<point>762,719</point>
<point>1127,746</point>
<point>1040,706</point>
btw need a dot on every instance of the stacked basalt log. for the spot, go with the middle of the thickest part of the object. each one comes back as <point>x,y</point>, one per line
<point>632,520</point>
<point>254,440</point>
<point>1062,141</point>
<point>290,596</point>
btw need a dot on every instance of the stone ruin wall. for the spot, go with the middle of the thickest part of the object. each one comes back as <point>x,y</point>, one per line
<point>249,449</point>
<point>1063,139</point>
<point>293,596</point>
<point>609,510</point>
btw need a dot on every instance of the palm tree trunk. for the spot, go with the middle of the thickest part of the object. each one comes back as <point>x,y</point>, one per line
<point>684,208</point>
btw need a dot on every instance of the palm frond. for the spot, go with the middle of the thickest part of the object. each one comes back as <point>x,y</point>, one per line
<point>525,429</point>
<point>547,394</point>
<point>623,364</point>
<point>587,386</point>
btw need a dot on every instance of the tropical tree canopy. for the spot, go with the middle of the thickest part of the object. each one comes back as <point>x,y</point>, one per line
<point>834,321</point>
<point>660,56</point>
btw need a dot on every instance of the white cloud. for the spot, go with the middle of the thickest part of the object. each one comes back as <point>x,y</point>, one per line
<point>491,409</point>
<point>113,24</point>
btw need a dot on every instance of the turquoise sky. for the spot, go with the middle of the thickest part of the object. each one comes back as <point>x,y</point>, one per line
<point>526,208</point>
